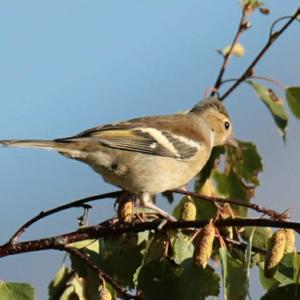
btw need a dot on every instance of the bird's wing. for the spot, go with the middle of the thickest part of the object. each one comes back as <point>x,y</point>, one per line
<point>140,136</point>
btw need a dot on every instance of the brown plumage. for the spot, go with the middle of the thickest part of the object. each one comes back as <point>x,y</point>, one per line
<point>151,154</point>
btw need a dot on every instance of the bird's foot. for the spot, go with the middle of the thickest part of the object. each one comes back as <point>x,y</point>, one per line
<point>146,201</point>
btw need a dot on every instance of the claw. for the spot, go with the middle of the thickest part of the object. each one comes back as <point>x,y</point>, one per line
<point>146,201</point>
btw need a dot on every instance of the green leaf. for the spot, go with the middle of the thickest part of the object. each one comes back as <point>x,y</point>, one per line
<point>75,290</point>
<point>260,237</point>
<point>248,258</point>
<point>292,95</point>
<point>234,277</point>
<point>274,104</point>
<point>287,272</point>
<point>69,294</point>
<point>67,285</point>
<point>57,285</point>
<point>91,245</point>
<point>235,176</point>
<point>90,248</point>
<point>296,265</point>
<point>204,282</point>
<point>205,210</point>
<point>206,171</point>
<point>223,257</point>
<point>90,279</point>
<point>290,292</point>
<point>177,209</point>
<point>158,279</point>
<point>267,283</point>
<point>143,237</point>
<point>246,161</point>
<point>156,246</point>
<point>230,185</point>
<point>182,247</point>
<point>120,257</point>
<point>162,279</point>
<point>16,291</point>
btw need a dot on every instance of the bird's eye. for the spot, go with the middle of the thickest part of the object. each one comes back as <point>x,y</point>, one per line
<point>227,125</point>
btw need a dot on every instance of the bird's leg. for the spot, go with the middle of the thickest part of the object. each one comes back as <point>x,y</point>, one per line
<point>146,201</point>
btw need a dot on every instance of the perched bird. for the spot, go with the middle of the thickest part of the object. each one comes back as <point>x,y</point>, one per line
<point>147,155</point>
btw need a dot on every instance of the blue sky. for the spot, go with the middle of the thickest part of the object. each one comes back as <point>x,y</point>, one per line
<point>69,65</point>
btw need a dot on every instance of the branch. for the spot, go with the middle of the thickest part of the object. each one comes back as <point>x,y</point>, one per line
<point>43,214</point>
<point>272,38</point>
<point>95,232</point>
<point>80,203</point>
<point>226,57</point>
<point>269,212</point>
<point>102,275</point>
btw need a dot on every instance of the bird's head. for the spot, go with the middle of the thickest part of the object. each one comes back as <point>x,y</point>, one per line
<point>216,116</point>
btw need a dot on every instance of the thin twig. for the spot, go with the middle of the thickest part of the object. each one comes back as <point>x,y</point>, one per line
<point>87,261</point>
<point>269,212</point>
<point>273,81</point>
<point>229,80</point>
<point>43,214</point>
<point>226,56</point>
<point>243,246</point>
<point>276,22</point>
<point>272,38</point>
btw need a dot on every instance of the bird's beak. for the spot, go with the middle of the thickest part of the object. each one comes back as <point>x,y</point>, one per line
<point>232,141</point>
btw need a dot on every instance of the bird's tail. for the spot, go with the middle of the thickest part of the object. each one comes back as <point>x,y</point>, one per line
<point>29,143</point>
<point>62,147</point>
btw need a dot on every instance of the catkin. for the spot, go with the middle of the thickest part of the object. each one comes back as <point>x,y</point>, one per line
<point>275,252</point>
<point>206,189</point>
<point>104,294</point>
<point>188,210</point>
<point>290,240</point>
<point>204,245</point>
<point>125,211</point>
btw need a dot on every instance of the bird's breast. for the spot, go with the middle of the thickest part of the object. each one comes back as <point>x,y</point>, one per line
<point>138,172</point>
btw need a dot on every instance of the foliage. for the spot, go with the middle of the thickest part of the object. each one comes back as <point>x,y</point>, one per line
<point>292,96</point>
<point>274,104</point>
<point>16,290</point>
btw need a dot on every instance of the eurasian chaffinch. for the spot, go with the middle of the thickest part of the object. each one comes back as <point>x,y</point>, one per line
<point>148,155</point>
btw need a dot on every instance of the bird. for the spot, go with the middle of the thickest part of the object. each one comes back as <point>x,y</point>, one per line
<point>148,155</point>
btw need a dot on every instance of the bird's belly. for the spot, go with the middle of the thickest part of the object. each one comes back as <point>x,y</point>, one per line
<point>138,172</point>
